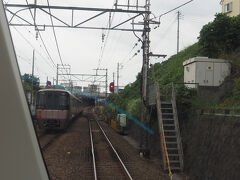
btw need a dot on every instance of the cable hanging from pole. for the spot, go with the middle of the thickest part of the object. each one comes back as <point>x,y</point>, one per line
<point>104,40</point>
<point>55,37</point>
<point>40,34</point>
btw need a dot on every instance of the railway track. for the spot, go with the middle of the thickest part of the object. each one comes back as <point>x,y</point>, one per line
<point>47,140</point>
<point>106,162</point>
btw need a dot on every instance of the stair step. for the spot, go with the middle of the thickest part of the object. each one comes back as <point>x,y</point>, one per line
<point>174,161</point>
<point>170,136</point>
<point>169,125</point>
<point>166,108</point>
<point>168,119</point>
<point>173,155</point>
<point>171,139</point>
<point>171,133</point>
<point>172,150</point>
<point>168,142</point>
<point>175,168</point>
<point>169,130</point>
<point>164,102</point>
<point>163,113</point>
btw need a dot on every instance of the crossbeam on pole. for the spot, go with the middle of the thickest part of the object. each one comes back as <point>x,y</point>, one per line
<point>33,6</point>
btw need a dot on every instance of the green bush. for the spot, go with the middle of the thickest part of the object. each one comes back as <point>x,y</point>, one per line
<point>222,36</point>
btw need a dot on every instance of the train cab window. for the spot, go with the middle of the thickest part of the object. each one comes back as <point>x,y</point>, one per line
<point>41,99</point>
<point>62,99</point>
<point>53,100</point>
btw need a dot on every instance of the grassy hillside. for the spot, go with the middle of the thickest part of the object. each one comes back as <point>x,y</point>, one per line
<point>164,73</point>
<point>172,69</point>
<point>218,39</point>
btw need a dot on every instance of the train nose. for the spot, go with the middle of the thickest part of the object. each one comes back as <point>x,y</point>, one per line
<point>39,114</point>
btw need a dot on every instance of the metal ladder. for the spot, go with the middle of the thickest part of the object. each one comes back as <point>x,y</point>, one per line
<point>169,128</point>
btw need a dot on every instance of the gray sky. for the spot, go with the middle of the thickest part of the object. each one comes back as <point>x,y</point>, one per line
<point>82,48</point>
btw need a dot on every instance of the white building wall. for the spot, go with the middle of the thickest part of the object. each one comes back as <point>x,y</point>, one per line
<point>189,74</point>
<point>205,71</point>
<point>208,70</point>
<point>218,70</point>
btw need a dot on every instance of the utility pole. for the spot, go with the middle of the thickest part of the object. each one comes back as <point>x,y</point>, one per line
<point>67,68</point>
<point>144,142</point>
<point>57,76</point>
<point>106,78</point>
<point>178,18</point>
<point>114,82</point>
<point>106,84</point>
<point>117,77</point>
<point>31,102</point>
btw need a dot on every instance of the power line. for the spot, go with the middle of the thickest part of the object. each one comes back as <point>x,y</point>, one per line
<point>133,56</point>
<point>24,59</point>
<point>164,34</point>
<point>105,42</point>
<point>125,58</point>
<point>171,10</point>
<point>33,47</point>
<point>41,36</point>
<point>55,37</point>
<point>40,46</point>
<point>47,50</point>
<point>113,47</point>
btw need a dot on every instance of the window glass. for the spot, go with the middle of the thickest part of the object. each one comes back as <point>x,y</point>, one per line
<point>52,100</point>
<point>228,7</point>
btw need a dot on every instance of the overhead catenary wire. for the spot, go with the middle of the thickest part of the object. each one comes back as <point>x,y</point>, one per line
<point>29,62</point>
<point>35,49</point>
<point>164,34</point>
<point>125,58</point>
<point>39,32</point>
<point>104,42</point>
<point>46,50</point>
<point>55,37</point>
<point>133,56</point>
<point>172,10</point>
<point>117,35</point>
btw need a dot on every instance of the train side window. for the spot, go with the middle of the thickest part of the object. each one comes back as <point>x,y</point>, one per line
<point>41,99</point>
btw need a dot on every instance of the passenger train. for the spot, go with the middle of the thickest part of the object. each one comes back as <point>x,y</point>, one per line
<point>56,108</point>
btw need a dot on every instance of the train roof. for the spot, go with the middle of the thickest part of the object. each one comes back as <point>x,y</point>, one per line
<point>60,90</point>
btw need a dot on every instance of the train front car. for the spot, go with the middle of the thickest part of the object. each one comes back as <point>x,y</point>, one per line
<point>53,109</point>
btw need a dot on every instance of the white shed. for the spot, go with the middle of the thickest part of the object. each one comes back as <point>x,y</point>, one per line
<point>205,71</point>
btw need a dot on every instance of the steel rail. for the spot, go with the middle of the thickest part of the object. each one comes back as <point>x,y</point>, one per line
<point>110,144</point>
<point>92,151</point>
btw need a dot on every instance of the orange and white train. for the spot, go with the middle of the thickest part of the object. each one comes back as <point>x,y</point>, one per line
<point>56,108</point>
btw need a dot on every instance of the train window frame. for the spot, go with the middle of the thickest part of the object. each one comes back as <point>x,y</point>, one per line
<point>51,104</point>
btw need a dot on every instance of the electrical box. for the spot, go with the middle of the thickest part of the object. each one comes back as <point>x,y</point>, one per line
<point>205,71</point>
<point>122,120</point>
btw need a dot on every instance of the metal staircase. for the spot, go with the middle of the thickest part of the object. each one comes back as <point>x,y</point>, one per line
<point>171,145</point>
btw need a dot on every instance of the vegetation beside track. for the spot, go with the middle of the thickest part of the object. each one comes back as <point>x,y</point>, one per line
<point>218,39</point>
<point>209,136</point>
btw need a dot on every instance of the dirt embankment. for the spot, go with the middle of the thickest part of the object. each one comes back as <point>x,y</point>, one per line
<point>211,147</point>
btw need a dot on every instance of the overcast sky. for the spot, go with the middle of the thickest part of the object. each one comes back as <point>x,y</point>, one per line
<point>81,48</point>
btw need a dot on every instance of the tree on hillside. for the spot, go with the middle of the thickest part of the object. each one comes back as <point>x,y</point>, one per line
<point>222,36</point>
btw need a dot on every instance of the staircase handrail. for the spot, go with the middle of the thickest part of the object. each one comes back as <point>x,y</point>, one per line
<point>175,114</point>
<point>166,153</point>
